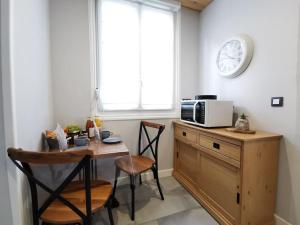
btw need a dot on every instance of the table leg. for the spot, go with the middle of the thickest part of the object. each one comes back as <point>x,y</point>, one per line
<point>96,170</point>
<point>114,202</point>
<point>92,169</point>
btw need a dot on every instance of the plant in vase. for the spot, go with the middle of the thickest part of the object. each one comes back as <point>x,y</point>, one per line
<point>242,123</point>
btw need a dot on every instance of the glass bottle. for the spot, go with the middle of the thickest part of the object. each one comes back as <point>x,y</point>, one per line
<point>90,127</point>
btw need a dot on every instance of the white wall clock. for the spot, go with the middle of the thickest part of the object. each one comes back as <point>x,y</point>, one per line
<point>234,56</point>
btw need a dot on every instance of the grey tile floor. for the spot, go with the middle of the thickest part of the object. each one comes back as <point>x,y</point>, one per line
<point>178,208</point>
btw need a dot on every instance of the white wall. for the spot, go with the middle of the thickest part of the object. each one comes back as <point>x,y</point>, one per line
<point>32,86</point>
<point>32,77</point>
<point>8,109</point>
<point>70,55</point>
<point>274,27</point>
<point>189,53</point>
<point>69,22</point>
<point>5,212</point>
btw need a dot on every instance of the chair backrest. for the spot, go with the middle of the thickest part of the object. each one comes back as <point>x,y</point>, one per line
<point>23,159</point>
<point>143,127</point>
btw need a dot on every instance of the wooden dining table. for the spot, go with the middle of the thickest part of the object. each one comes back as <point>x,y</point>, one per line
<point>102,150</point>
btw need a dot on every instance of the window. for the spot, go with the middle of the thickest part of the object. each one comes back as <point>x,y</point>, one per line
<point>136,56</point>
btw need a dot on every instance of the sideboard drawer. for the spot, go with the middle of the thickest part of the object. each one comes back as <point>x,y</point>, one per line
<point>224,148</point>
<point>186,134</point>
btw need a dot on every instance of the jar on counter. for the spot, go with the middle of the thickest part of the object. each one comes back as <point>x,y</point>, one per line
<point>90,127</point>
<point>98,121</point>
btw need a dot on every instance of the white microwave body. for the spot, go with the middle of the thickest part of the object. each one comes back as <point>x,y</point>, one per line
<point>207,113</point>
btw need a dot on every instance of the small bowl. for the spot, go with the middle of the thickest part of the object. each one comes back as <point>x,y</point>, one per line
<point>105,134</point>
<point>81,141</point>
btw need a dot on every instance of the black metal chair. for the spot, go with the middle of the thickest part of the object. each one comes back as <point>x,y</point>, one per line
<point>136,165</point>
<point>72,202</point>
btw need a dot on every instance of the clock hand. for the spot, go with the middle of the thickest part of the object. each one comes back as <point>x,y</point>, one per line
<point>230,56</point>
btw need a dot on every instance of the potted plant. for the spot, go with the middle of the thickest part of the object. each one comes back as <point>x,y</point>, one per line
<point>242,123</point>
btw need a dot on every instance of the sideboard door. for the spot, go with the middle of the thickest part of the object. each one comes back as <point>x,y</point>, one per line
<point>220,182</point>
<point>187,162</point>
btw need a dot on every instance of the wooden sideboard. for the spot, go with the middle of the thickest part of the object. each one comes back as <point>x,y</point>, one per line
<point>232,175</point>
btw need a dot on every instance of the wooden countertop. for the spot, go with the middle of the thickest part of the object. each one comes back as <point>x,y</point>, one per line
<point>237,136</point>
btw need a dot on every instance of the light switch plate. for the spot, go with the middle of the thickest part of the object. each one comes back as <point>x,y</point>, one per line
<point>277,101</point>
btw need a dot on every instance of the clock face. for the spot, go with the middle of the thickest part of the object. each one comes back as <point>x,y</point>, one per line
<point>234,56</point>
<point>230,56</point>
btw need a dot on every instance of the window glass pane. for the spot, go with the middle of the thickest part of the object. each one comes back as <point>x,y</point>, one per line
<point>136,43</point>
<point>119,67</point>
<point>157,58</point>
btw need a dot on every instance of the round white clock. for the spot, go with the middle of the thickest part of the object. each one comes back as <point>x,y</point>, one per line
<point>234,56</point>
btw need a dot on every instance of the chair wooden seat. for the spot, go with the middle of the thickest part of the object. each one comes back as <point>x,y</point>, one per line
<point>59,213</point>
<point>134,164</point>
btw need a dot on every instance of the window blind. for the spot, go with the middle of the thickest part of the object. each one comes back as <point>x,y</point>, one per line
<point>136,55</point>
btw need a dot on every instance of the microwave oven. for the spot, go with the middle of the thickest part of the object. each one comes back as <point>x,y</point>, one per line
<point>207,113</point>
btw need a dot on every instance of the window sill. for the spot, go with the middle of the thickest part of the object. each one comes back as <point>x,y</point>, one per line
<point>138,115</point>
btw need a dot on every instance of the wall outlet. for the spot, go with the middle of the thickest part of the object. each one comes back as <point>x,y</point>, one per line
<point>277,101</point>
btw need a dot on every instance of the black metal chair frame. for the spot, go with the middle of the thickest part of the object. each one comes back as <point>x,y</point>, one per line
<point>154,168</point>
<point>56,194</point>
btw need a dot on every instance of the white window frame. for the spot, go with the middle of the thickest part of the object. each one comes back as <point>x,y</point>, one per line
<point>95,77</point>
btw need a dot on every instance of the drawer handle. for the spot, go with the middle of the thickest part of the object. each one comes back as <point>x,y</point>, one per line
<point>184,133</point>
<point>238,198</point>
<point>216,145</point>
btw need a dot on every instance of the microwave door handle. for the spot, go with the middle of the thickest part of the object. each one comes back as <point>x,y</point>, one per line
<point>194,111</point>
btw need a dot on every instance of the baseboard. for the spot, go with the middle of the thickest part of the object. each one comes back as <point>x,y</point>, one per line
<point>161,173</point>
<point>147,176</point>
<point>280,221</point>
